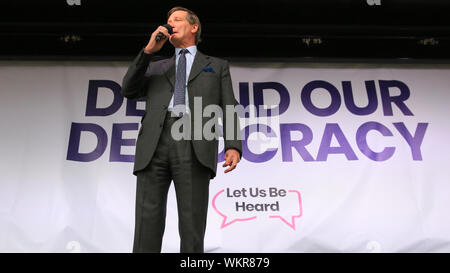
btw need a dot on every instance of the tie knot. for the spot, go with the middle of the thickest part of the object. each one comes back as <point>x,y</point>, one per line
<point>184,51</point>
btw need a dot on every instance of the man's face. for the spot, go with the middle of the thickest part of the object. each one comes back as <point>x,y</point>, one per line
<point>183,32</point>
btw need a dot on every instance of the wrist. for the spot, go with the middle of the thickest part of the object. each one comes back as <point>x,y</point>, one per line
<point>147,51</point>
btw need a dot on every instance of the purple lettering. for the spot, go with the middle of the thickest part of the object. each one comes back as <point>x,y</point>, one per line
<point>415,141</point>
<point>91,105</point>
<point>387,99</point>
<point>325,149</point>
<point>321,112</point>
<point>361,140</point>
<point>132,108</point>
<point>350,102</point>
<point>249,155</point>
<point>287,143</point>
<point>259,87</point>
<point>117,142</point>
<point>74,142</point>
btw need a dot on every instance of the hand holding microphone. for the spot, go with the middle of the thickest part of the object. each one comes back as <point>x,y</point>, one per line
<point>158,38</point>
<point>160,35</point>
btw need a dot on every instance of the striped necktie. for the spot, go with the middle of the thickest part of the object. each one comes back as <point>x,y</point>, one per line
<point>180,83</point>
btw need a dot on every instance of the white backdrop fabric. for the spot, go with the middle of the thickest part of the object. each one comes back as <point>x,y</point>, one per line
<point>357,160</point>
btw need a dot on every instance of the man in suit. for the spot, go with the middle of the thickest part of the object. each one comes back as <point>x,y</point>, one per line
<point>170,87</point>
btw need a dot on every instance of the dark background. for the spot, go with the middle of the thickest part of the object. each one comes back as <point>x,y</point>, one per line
<point>238,30</point>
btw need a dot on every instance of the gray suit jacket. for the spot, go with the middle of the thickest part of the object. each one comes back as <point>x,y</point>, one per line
<point>155,80</point>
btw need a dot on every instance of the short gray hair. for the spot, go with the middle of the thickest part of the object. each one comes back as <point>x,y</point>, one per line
<point>192,18</point>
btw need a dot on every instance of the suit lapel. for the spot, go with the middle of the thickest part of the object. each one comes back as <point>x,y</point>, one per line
<point>200,61</point>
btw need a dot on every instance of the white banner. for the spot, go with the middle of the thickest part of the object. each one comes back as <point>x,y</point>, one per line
<point>356,160</point>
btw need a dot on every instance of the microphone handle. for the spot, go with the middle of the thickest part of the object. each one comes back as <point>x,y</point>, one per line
<point>159,37</point>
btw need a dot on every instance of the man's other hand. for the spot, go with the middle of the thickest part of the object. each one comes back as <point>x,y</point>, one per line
<point>232,158</point>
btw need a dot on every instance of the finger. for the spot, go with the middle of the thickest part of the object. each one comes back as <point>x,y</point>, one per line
<point>227,162</point>
<point>164,31</point>
<point>237,159</point>
<point>233,166</point>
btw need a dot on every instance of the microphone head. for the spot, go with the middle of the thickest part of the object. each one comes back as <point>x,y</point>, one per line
<point>169,28</point>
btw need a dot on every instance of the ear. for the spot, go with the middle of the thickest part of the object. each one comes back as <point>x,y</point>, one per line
<point>194,28</point>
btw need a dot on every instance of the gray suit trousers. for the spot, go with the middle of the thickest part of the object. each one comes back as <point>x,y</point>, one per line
<point>173,160</point>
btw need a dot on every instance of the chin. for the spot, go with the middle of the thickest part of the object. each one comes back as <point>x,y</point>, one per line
<point>175,42</point>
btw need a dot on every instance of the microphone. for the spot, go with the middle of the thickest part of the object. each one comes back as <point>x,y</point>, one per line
<point>160,36</point>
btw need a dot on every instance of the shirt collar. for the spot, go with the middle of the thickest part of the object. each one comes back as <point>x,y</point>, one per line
<point>192,50</point>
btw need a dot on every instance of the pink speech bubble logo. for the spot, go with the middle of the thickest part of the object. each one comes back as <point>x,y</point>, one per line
<point>224,222</point>
<point>290,222</point>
